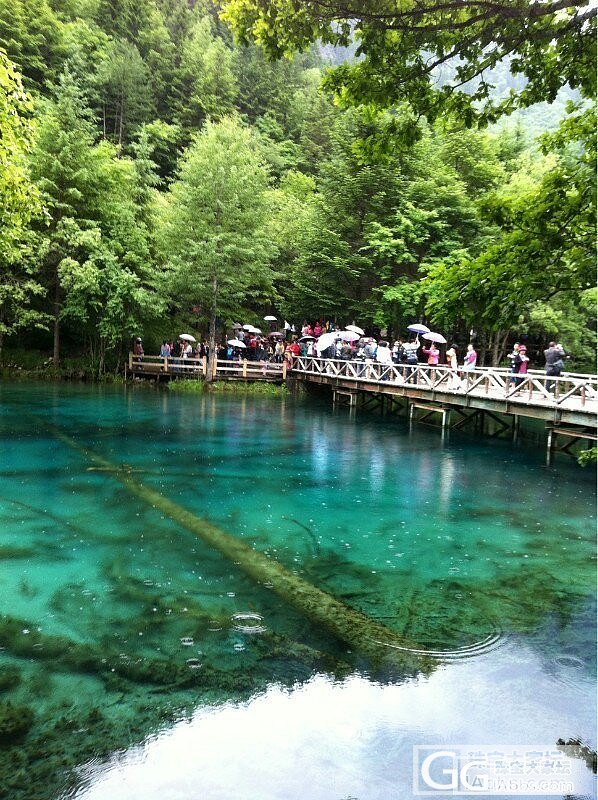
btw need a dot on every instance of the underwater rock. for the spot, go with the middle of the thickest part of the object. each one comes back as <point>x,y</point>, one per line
<point>578,749</point>
<point>9,679</point>
<point>15,721</point>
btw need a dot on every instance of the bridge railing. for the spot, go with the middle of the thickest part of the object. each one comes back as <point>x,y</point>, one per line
<point>534,387</point>
<point>198,367</point>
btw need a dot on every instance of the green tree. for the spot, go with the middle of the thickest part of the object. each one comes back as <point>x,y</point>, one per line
<point>216,253</point>
<point>31,35</point>
<point>208,83</point>
<point>94,244</point>
<point>404,45</point>
<point>545,241</point>
<point>18,203</point>
<point>123,82</point>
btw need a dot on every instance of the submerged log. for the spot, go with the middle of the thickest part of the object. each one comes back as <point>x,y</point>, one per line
<point>382,646</point>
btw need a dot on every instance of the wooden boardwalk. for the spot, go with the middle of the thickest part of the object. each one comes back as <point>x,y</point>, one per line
<point>159,368</point>
<point>568,405</point>
<point>570,399</point>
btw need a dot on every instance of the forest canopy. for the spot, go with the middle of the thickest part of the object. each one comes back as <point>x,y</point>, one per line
<point>436,55</point>
<point>162,169</point>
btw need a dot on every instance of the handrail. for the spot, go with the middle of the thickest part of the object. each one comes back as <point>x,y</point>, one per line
<point>533,388</point>
<point>194,367</point>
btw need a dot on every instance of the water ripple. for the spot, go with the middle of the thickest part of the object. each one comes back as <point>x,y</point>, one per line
<point>490,642</point>
<point>248,622</point>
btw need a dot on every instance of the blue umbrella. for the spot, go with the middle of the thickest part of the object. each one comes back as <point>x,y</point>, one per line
<point>417,328</point>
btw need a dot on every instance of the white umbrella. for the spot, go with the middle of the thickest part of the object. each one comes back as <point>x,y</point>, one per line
<point>256,330</point>
<point>247,327</point>
<point>236,343</point>
<point>348,336</point>
<point>355,328</point>
<point>434,337</point>
<point>187,337</point>
<point>418,328</point>
<point>325,340</point>
<point>270,318</point>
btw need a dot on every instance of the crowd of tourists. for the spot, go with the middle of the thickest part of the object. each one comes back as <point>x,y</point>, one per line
<point>286,346</point>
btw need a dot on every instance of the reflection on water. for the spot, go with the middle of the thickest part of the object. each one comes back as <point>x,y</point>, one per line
<point>322,739</point>
<point>116,622</point>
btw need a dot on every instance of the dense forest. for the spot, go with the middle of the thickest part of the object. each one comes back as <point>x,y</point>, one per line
<point>156,175</point>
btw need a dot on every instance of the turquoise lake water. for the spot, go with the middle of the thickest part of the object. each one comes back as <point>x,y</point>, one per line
<point>141,663</point>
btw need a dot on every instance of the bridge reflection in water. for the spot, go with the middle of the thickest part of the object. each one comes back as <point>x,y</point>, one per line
<point>567,404</point>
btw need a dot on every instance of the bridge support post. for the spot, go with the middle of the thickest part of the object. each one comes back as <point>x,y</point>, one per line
<point>549,446</point>
<point>515,428</point>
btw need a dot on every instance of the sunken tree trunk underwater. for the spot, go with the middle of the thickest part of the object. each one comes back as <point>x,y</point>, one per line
<point>382,646</point>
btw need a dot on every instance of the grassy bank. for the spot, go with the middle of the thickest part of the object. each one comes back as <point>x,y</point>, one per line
<point>228,387</point>
<point>21,364</point>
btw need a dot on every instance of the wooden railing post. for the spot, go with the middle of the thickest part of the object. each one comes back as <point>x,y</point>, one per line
<point>214,367</point>
<point>244,367</point>
<point>165,365</point>
<point>204,366</point>
<point>130,361</point>
<point>284,370</point>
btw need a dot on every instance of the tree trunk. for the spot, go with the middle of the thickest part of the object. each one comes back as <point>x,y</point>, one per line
<point>496,341</point>
<point>212,355</point>
<point>503,347</point>
<point>482,350</point>
<point>1,344</point>
<point>56,353</point>
<point>102,358</point>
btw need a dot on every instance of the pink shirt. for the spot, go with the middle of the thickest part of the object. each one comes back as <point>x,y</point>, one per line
<point>432,354</point>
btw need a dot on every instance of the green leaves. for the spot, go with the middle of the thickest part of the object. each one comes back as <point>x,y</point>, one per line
<point>405,47</point>
<point>211,235</point>
<point>546,242</point>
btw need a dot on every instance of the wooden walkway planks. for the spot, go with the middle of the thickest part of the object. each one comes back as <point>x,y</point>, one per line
<point>573,400</point>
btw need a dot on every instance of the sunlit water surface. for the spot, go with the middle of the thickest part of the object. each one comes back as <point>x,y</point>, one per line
<point>155,668</point>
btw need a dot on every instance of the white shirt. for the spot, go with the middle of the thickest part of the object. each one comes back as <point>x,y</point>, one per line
<point>383,355</point>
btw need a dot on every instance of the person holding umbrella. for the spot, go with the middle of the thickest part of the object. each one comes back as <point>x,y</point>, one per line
<point>433,354</point>
<point>410,355</point>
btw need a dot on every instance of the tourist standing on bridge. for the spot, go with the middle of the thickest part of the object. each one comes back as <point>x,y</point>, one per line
<point>469,364</point>
<point>384,357</point>
<point>433,354</point>
<point>451,362</point>
<point>410,355</point>
<point>279,351</point>
<point>554,356</point>
<point>138,349</point>
<point>523,361</point>
<point>515,360</point>
<point>470,360</point>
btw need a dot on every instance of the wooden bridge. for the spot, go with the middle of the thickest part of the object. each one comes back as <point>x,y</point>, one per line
<point>160,368</point>
<point>568,404</point>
